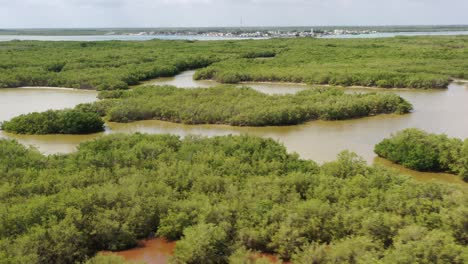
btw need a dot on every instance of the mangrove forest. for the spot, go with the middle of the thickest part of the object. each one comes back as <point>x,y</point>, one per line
<point>218,105</point>
<point>67,121</point>
<point>227,199</point>
<point>418,150</point>
<point>412,62</point>
<point>221,199</point>
<point>242,106</point>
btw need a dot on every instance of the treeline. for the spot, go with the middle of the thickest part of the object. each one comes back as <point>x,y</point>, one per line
<point>233,72</point>
<point>418,150</point>
<point>244,106</point>
<point>69,121</point>
<point>110,65</point>
<point>86,76</point>
<point>415,62</point>
<point>221,198</point>
<point>422,62</point>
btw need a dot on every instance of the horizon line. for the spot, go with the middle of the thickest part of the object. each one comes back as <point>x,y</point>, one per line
<point>245,26</point>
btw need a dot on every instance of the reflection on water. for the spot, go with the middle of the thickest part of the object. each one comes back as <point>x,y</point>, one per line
<point>153,251</point>
<point>112,37</point>
<point>206,38</point>
<point>159,251</point>
<point>422,176</point>
<point>17,101</point>
<point>437,111</point>
<point>186,80</point>
<point>51,144</point>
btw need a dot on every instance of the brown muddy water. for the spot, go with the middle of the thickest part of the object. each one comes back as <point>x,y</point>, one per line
<point>437,111</point>
<point>152,251</point>
<point>17,101</point>
<point>421,176</point>
<point>185,80</point>
<point>159,251</point>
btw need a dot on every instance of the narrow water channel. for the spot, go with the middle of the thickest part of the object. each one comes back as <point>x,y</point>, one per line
<point>437,111</point>
<point>151,251</point>
<point>159,251</point>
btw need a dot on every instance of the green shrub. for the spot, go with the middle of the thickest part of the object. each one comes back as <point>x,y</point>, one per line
<point>222,198</point>
<point>55,122</point>
<point>418,150</point>
<point>203,243</point>
<point>259,54</point>
<point>246,107</point>
<point>416,62</point>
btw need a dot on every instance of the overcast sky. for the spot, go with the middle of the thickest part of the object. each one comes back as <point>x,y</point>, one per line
<point>192,13</point>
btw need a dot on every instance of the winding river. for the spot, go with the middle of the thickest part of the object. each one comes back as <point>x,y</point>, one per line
<point>438,111</point>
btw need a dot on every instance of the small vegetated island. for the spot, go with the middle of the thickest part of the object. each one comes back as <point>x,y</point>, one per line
<point>413,62</point>
<point>243,106</point>
<point>69,121</point>
<point>219,105</point>
<point>418,150</point>
<point>221,199</point>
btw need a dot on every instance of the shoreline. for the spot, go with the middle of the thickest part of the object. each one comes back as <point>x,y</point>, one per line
<point>154,82</point>
<point>52,88</point>
<point>459,81</point>
<point>340,86</point>
<point>246,83</point>
<point>423,176</point>
<point>452,80</point>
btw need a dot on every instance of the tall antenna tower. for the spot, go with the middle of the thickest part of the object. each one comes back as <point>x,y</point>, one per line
<point>241,22</point>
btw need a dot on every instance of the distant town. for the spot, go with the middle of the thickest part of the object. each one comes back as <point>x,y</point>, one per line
<point>234,32</point>
<point>250,34</point>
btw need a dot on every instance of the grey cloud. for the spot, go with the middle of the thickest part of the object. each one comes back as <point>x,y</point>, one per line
<point>134,13</point>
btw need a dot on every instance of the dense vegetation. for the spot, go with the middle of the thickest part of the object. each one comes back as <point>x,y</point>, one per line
<point>68,121</point>
<point>386,63</point>
<point>423,151</point>
<point>243,106</point>
<point>219,105</point>
<point>108,65</point>
<point>418,62</point>
<point>221,198</point>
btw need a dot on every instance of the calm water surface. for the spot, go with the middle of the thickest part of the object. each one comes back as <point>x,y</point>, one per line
<point>394,34</point>
<point>112,37</point>
<point>421,176</point>
<point>204,38</point>
<point>17,101</point>
<point>438,111</point>
<point>185,80</point>
<point>152,251</point>
<point>159,251</point>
